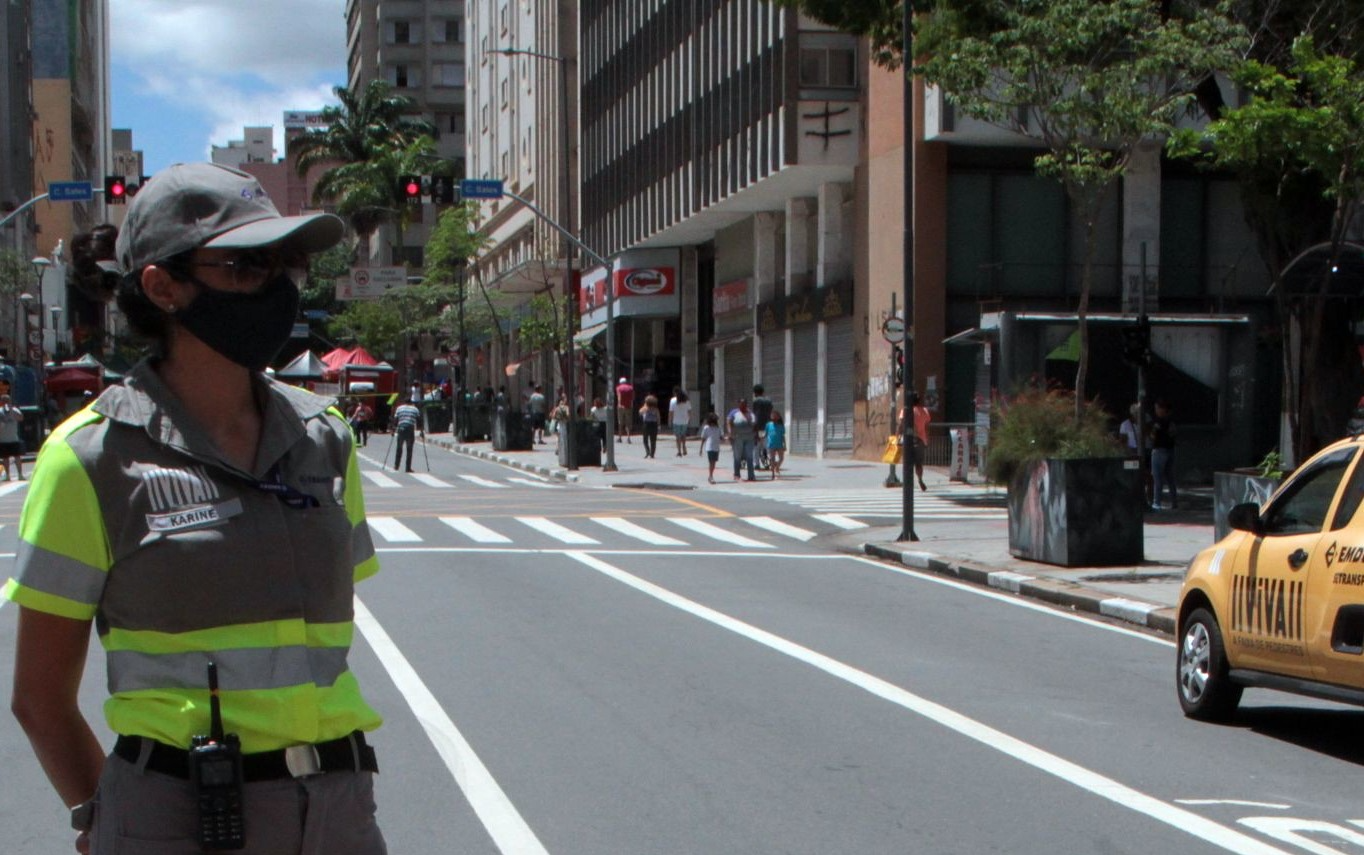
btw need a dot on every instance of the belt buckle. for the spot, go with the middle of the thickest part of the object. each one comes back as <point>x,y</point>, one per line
<point>302,761</point>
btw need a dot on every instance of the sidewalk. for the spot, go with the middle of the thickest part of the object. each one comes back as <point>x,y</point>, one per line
<point>1143,594</point>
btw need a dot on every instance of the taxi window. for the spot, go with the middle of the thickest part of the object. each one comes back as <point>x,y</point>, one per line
<point>1350,499</point>
<point>1304,504</point>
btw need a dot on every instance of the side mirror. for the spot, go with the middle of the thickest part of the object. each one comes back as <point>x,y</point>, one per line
<point>1245,517</point>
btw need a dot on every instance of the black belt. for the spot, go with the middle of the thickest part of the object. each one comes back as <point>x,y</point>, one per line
<point>347,754</point>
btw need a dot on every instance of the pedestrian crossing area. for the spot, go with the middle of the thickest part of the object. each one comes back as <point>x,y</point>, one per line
<point>391,480</point>
<point>950,503</point>
<point>608,532</point>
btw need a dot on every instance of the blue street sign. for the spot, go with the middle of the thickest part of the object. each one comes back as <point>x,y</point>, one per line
<point>70,191</point>
<point>480,188</point>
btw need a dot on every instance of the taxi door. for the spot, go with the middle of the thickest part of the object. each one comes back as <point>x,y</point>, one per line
<point>1336,593</point>
<point>1269,623</point>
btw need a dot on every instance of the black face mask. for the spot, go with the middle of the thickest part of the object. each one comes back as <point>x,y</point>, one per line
<point>249,329</point>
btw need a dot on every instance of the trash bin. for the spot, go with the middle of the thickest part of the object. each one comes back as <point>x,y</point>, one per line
<point>511,431</point>
<point>472,423</point>
<point>587,447</point>
<point>438,416</point>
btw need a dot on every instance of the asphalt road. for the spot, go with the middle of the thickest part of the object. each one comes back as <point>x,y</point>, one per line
<point>708,676</point>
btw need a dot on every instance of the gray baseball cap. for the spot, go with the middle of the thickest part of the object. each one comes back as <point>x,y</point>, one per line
<point>190,205</point>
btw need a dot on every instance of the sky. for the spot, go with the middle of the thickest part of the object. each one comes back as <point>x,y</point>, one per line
<point>190,74</point>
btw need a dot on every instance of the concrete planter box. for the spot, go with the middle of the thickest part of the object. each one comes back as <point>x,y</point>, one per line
<point>586,443</point>
<point>1084,512</point>
<point>1230,489</point>
<point>511,432</point>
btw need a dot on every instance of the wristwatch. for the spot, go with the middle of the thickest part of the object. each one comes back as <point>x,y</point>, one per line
<point>83,816</point>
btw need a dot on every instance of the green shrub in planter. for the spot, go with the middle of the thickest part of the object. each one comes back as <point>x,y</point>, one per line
<point>1037,424</point>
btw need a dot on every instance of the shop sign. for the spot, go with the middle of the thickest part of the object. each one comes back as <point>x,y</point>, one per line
<point>793,310</point>
<point>730,297</point>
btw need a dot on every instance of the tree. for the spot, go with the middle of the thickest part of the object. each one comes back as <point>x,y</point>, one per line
<point>1089,80</point>
<point>1297,142</point>
<point>364,124</point>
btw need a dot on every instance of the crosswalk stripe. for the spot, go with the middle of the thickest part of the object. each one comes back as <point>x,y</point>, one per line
<point>556,531</point>
<point>483,482</point>
<point>715,532</point>
<point>379,479</point>
<point>629,529</point>
<point>475,530</point>
<point>779,527</point>
<point>431,480</point>
<point>12,487</point>
<point>532,483</point>
<point>845,523</point>
<point>393,531</point>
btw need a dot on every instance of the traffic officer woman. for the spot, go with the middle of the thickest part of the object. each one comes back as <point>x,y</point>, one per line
<point>202,513</point>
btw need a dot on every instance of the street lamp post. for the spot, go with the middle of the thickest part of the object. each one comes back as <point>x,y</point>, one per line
<point>566,219</point>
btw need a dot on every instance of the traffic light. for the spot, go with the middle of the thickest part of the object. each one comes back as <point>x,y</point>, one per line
<point>115,190</point>
<point>410,188</point>
<point>443,189</point>
<point>1136,343</point>
<point>131,190</point>
<point>897,359</point>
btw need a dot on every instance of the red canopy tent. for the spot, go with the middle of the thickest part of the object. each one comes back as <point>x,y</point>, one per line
<point>73,379</point>
<point>356,365</point>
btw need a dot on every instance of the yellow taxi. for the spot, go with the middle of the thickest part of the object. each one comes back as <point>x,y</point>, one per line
<point>1279,602</point>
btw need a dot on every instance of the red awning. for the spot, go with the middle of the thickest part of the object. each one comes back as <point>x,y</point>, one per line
<point>71,379</point>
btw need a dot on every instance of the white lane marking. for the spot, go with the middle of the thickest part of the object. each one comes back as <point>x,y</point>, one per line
<point>12,487</point>
<point>845,523</point>
<point>779,527</point>
<point>1051,764</point>
<point>972,588</point>
<point>432,481</point>
<point>531,483</point>
<point>499,816</point>
<point>704,528</point>
<point>638,532</point>
<point>393,531</point>
<point>555,530</point>
<point>475,530</point>
<point>1233,802</point>
<point>483,482</point>
<point>1287,829</point>
<point>379,479</point>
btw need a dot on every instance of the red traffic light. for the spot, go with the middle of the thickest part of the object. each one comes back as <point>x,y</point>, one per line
<point>115,190</point>
<point>410,186</point>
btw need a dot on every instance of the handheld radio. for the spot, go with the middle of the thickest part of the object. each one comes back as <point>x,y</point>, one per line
<point>215,768</point>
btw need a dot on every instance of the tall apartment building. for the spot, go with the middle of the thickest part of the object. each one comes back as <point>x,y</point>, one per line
<point>257,145</point>
<point>523,98</point>
<point>720,141</point>
<point>417,46</point>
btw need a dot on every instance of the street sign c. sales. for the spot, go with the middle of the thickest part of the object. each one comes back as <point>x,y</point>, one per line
<point>70,191</point>
<point>480,188</point>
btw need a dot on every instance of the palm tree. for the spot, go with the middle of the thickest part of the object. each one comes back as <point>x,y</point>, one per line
<point>365,124</point>
<point>367,192</point>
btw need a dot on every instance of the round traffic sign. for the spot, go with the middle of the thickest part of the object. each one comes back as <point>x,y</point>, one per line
<point>893,330</point>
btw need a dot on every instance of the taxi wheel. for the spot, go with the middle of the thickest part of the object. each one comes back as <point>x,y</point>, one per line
<point>1205,690</point>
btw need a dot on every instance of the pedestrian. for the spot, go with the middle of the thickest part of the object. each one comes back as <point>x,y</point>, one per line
<point>679,417</point>
<point>599,415</point>
<point>740,428</point>
<point>360,416</point>
<point>648,425</point>
<point>1163,432</point>
<point>11,445</point>
<point>209,518</point>
<point>774,435</point>
<point>710,442</point>
<point>762,412</point>
<point>625,408</point>
<point>1130,431</point>
<point>537,405</point>
<point>406,425</point>
<point>560,415</point>
<point>919,437</point>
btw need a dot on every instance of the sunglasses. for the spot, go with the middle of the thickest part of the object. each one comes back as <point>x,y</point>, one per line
<point>256,266</point>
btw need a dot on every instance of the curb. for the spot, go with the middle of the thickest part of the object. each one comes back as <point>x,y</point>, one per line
<point>552,472</point>
<point>1067,594</point>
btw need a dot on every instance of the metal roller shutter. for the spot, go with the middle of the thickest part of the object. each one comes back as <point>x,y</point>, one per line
<point>838,400</point>
<point>773,375</point>
<point>738,376</point>
<point>801,424</point>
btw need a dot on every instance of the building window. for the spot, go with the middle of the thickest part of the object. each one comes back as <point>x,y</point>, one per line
<point>454,123</point>
<point>402,33</point>
<point>828,67</point>
<point>404,76</point>
<point>446,31</point>
<point>447,74</point>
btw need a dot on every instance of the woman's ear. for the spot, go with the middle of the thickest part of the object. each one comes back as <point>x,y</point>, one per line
<point>165,291</point>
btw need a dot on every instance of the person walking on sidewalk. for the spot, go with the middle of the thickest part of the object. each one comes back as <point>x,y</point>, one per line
<point>710,442</point>
<point>1130,432</point>
<point>774,438</point>
<point>561,418</point>
<point>740,424</point>
<point>648,425</point>
<point>679,416</point>
<point>919,438</point>
<point>11,446</point>
<point>599,415</point>
<point>359,416</point>
<point>407,424</point>
<point>1163,433</point>
<point>537,405</point>
<point>625,408</point>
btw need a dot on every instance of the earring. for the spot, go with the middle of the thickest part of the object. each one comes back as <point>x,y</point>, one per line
<point>170,308</point>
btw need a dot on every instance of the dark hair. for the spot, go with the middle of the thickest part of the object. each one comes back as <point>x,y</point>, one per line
<point>757,388</point>
<point>681,395</point>
<point>146,320</point>
<point>913,398</point>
